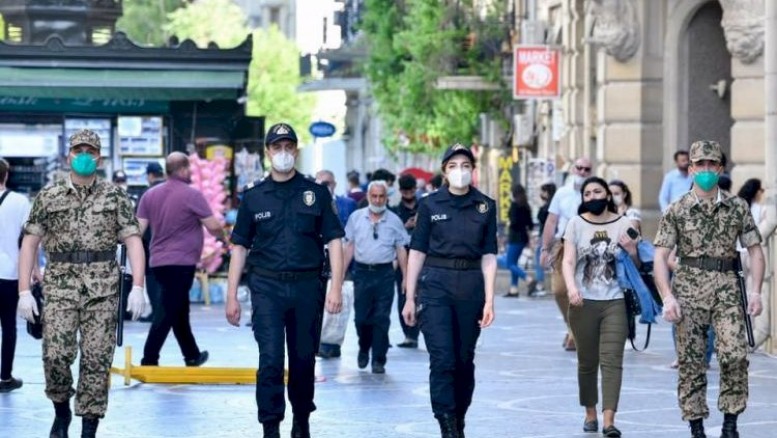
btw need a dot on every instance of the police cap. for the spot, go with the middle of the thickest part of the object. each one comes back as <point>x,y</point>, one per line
<point>278,132</point>
<point>460,149</point>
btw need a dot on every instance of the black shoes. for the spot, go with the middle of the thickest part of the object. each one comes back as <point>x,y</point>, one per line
<point>611,431</point>
<point>61,420</point>
<point>328,351</point>
<point>272,429</point>
<point>363,359</point>
<point>89,426</point>
<point>591,426</point>
<point>300,428</point>
<point>149,363</point>
<point>201,359</point>
<point>448,426</point>
<point>378,368</point>
<point>729,429</point>
<point>697,428</point>
<point>10,384</point>
<point>408,343</point>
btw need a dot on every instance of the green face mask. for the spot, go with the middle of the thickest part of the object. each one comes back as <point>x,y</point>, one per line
<point>706,180</point>
<point>83,164</point>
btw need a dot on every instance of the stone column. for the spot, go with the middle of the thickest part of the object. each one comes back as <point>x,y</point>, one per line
<point>573,79</point>
<point>629,101</point>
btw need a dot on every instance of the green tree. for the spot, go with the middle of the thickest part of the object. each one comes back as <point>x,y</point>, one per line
<point>415,42</point>
<point>143,20</point>
<point>273,75</point>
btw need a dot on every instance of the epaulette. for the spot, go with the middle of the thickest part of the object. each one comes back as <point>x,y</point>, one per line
<point>252,184</point>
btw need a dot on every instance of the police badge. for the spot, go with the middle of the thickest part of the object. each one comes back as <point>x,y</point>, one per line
<point>309,198</point>
<point>482,207</point>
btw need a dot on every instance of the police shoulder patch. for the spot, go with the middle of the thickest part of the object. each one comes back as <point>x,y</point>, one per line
<point>309,197</point>
<point>482,207</point>
<point>253,184</point>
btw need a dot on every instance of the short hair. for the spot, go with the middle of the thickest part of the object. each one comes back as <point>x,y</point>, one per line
<point>681,152</point>
<point>175,162</point>
<point>549,188</point>
<point>377,183</point>
<point>749,190</point>
<point>353,179</point>
<point>327,173</point>
<point>4,168</point>
<point>407,182</point>
<point>383,174</point>
<point>724,183</point>
<point>436,181</point>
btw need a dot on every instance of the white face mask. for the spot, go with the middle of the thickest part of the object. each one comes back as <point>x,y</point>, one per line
<point>579,180</point>
<point>459,178</point>
<point>283,162</point>
<point>617,199</point>
<point>377,209</point>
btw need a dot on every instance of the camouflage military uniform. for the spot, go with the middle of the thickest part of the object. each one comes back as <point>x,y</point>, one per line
<point>80,297</point>
<point>709,228</point>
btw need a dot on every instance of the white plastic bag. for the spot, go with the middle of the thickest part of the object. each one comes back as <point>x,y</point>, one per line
<point>334,325</point>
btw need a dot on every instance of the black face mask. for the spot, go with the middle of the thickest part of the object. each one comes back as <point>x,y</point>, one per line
<point>596,206</point>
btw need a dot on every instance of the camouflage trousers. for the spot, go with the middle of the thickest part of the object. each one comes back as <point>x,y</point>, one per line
<point>710,298</point>
<point>65,317</point>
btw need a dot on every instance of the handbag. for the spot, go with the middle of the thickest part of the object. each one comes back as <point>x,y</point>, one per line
<point>633,310</point>
<point>35,329</point>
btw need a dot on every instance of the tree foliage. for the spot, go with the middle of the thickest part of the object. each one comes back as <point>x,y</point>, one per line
<point>273,76</point>
<point>143,20</point>
<point>415,42</point>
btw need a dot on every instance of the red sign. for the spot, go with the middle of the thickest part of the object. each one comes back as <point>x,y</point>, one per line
<point>536,72</point>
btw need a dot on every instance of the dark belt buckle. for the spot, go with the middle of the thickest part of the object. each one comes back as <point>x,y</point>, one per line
<point>461,264</point>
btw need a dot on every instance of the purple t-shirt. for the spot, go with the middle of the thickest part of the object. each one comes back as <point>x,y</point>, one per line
<point>173,211</point>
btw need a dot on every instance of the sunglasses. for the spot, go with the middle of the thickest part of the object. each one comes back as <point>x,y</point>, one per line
<point>375,231</point>
<point>583,168</point>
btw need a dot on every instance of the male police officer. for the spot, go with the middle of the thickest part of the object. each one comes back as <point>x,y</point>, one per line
<point>704,224</point>
<point>80,219</point>
<point>285,221</point>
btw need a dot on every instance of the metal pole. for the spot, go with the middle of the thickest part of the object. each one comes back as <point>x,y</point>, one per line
<point>770,125</point>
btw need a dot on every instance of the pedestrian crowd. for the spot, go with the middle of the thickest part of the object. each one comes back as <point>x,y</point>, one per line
<point>309,257</point>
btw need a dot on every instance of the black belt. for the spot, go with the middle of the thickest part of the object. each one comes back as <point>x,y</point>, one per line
<point>373,267</point>
<point>709,263</point>
<point>457,264</point>
<point>82,257</point>
<point>287,275</point>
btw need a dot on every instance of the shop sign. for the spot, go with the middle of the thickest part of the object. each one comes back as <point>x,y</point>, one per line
<point>536,72</point>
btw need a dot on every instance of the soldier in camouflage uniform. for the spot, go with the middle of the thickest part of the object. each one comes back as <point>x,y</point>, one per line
<point>80,220</point>
<point>704,226</point>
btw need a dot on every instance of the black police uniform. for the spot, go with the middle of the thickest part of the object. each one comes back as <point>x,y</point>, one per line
<point>285,225</point>
<point>454,232</point>
<point>404,214</point>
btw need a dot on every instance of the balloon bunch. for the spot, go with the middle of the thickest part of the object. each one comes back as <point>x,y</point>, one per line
<point>208,177</point>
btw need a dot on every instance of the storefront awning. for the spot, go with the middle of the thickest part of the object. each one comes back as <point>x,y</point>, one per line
<point>157,85</point>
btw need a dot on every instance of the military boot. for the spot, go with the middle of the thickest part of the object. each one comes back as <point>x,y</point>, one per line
<point>448,426</point>
<point>62,419</point>
<point>300,427</point>
<point>729,429</point>
<point>272,429</point>
<point>89,426</point>
<point>697,428</point>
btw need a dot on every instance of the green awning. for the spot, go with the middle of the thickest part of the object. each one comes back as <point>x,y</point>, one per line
<point>158,85</point>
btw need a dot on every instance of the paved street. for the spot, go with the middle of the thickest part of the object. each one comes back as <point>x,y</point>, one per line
<point>526,388</point>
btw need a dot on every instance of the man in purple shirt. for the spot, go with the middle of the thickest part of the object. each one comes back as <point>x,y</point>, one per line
<point>176,212</point>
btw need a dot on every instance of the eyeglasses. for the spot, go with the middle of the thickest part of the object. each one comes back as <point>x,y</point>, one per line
<point>583,168</point>
<point>375,231</point>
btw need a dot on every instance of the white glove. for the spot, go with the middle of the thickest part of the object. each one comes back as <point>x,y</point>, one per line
<point>754,304</point>
<point>136,303</point>
<point>671,312</point>
<point>27,307</point>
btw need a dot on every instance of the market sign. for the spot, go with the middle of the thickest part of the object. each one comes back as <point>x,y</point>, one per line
<point>536,72</point>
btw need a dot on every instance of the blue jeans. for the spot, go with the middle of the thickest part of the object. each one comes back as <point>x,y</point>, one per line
<point>514,251</point>
<point>539,271</point>
<point>710,343</point>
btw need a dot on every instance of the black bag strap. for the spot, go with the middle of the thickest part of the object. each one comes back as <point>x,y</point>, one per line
<point>647,340</point>
<point>2,198</point>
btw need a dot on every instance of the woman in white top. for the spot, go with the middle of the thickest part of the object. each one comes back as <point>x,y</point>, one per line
<point>597,312</point>
<point>621,197</point>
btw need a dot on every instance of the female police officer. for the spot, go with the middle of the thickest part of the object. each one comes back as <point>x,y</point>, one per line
<point>453,263</point>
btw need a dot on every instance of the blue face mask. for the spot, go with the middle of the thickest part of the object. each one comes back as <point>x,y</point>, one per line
<point>391,192</point>
<point>706,179</point>
<point>83,164</point>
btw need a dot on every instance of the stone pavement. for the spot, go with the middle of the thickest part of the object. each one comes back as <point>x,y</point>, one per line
<point>526,388</point>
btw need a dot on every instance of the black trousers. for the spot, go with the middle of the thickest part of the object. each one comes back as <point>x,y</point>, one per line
<point>373,293</point>
<point>9,298</point>
<point>449,305</point>
<point>410,332</point>
<point>154,290</point>
<point>173,313</point>
<point>290,311</point>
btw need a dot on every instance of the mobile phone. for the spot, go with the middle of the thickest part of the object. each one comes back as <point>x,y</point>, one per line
<point>634,234</point>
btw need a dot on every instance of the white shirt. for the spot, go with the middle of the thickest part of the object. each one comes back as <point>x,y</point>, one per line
<point>564,204</point>
<point>13,215</point>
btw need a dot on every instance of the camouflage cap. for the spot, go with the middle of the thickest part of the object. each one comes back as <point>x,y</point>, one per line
<point>85,137</point>
<point>706,150</point>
